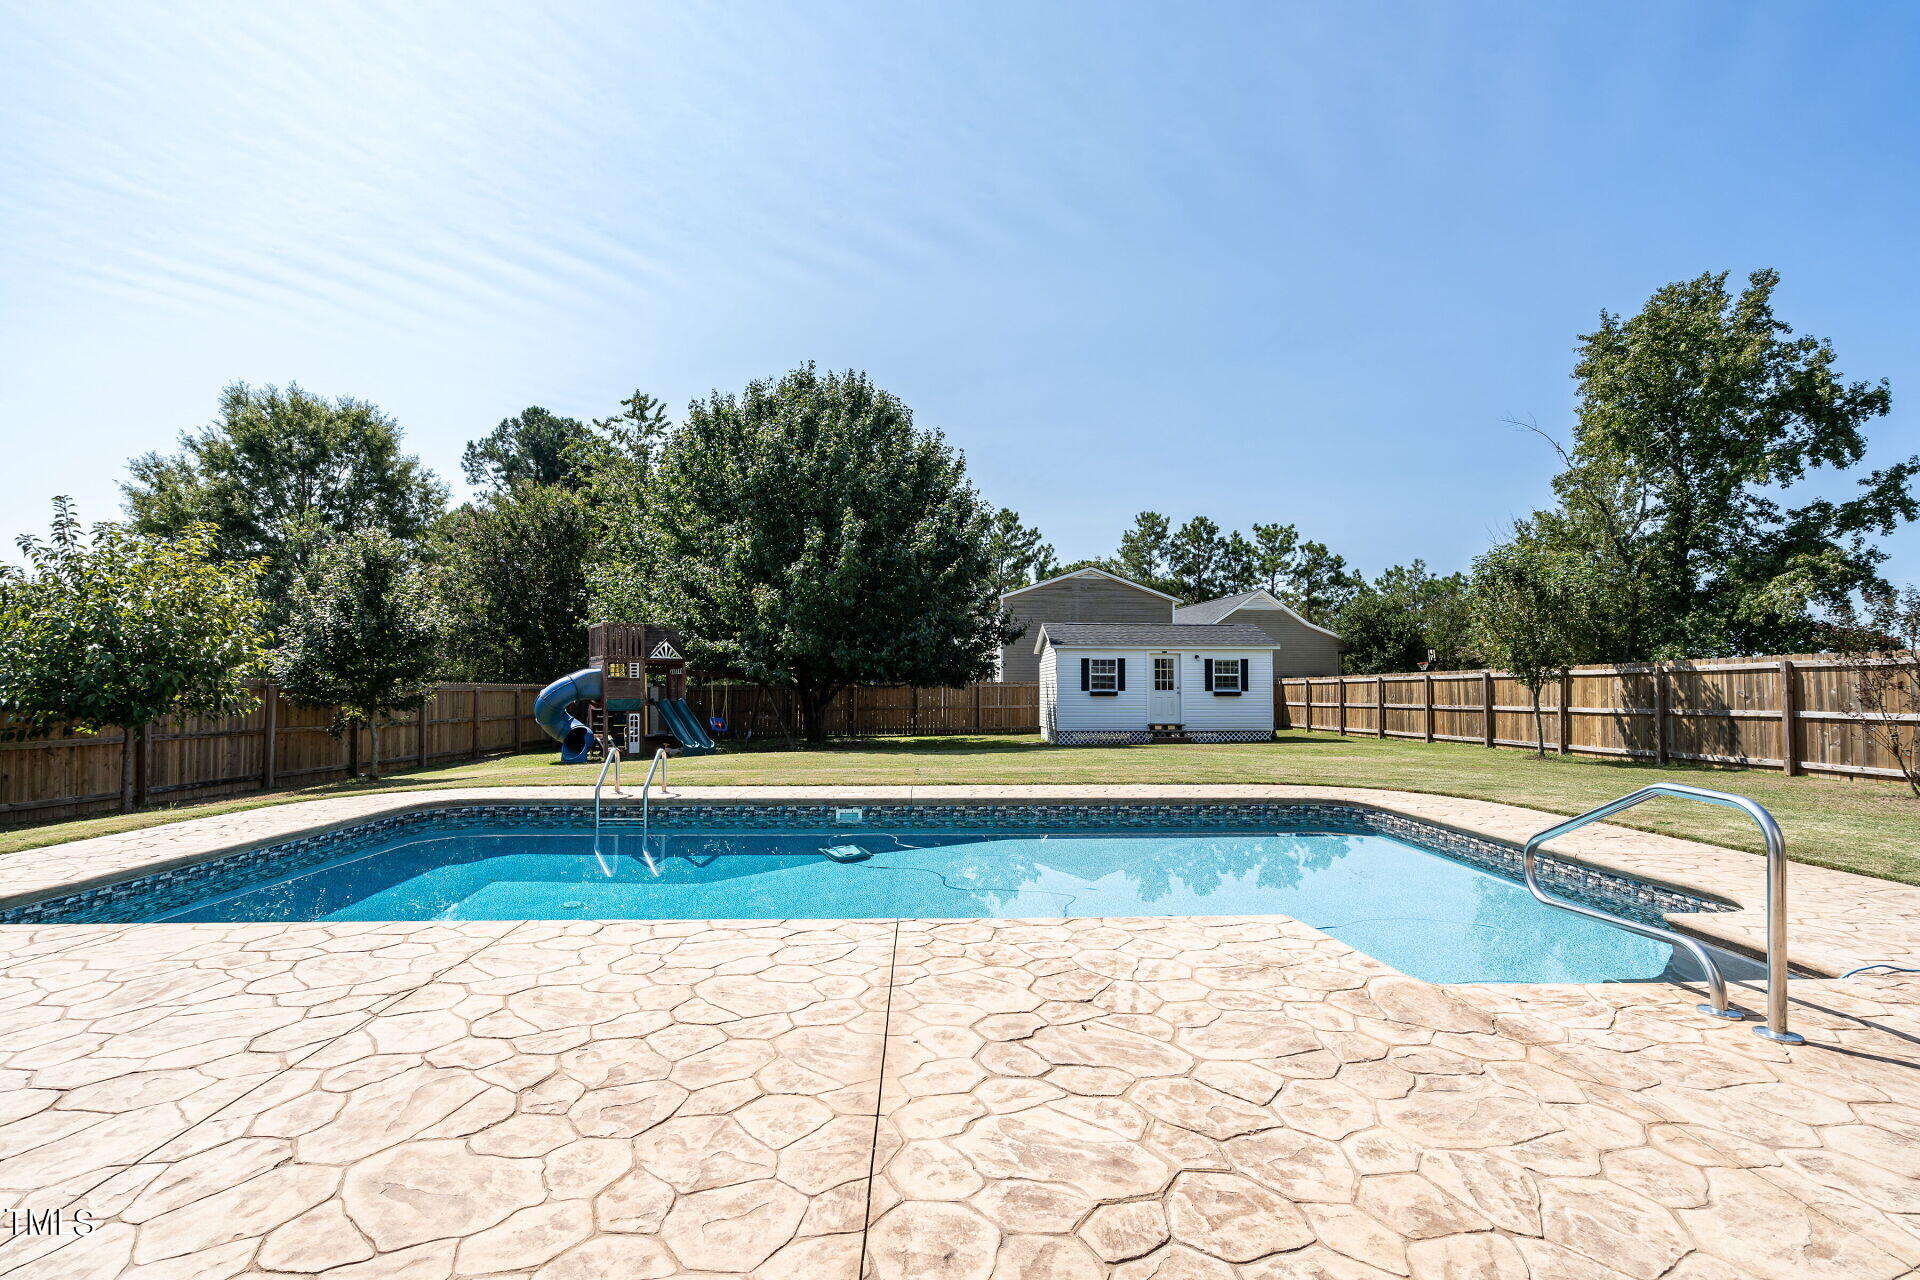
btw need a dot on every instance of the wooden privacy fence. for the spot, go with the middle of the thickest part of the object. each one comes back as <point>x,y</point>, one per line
<point>280,742</point>
<point>878,711</point>
<point>283,743</point>
<point>1798,714</point>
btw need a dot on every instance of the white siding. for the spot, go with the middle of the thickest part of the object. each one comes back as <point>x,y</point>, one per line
<point>1064,707</point>
<point>1080,710</point>
<point>1253,709</point>
<point>1049,683</point>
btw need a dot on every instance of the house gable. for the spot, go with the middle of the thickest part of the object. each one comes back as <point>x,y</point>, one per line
<point>1089,573</point>
<point>1300,647</point>
<point>1250,602</point>
<point>1084,595</point>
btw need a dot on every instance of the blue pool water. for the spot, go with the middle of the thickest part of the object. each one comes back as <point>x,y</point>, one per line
<point>1422,913</point>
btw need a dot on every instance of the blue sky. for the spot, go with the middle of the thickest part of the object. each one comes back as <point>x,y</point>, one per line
<point>1263,262</point>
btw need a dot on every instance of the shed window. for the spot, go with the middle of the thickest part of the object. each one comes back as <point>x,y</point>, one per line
<point>1226,676</point>
<point>1103,675</point>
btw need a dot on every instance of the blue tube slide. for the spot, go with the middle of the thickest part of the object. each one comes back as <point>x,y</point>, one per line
<point>550,711</point>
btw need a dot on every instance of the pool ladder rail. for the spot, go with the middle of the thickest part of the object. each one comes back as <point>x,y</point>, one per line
<point>601,822</point>
<point>1775,1026</point>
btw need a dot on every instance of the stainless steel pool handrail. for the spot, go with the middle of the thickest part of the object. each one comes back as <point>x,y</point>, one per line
<point>1775,1027</point>
<point>612,761</point>
<point>646,804</point>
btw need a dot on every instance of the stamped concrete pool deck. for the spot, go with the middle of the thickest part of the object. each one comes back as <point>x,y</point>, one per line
<point>1178,1099</point>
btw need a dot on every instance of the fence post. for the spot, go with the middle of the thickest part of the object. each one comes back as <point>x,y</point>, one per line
<point>270,700</point>
<point>1566,713</point>
<point>978,727</point>
<point>420,739</point>
<point>473,725</point>
<point>1659,714</point>
<point>1379,706</point>
<point>1428,680</point>
<point>1789,713</point>
<point>1306,700</point>
<point>1340,685</point>
<point>1486,701</point>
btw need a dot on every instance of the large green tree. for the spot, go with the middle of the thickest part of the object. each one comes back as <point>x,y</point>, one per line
<point>616,464</point>
<point>1206,562</point>
<point>1201,561</point>
<point>1533,615</point>
<point>362,635</point>
<point>1696,416</point>
<point>1275,547</point>
<point>642,422</point>
<point>1304,574</point>
<point>1391,623</point>
<point>278,474</point>
<point>1320,584</point>
<point>113,627</point>
<point>804,533</point>
<point>512,566</point>
<point>1196,561</point>
<point>533,447</point>
<point>1020,556</point>
<point>1146,553</point>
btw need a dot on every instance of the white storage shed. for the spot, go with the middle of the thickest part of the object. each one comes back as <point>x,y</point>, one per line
<point>1112,683</point>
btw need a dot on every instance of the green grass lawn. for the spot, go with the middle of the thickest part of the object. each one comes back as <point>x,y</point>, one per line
<point>1869,827</point>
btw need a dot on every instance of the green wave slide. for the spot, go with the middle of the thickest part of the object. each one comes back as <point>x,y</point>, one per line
<point>686,726</point>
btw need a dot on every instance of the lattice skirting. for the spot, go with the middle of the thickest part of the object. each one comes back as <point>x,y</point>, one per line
<point>1230,735</point>
<point>1100,737</point>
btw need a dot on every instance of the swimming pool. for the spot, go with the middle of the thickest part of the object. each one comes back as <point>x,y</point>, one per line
<point>1435,904</point>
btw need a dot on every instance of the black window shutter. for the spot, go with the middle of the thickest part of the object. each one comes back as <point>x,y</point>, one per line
<point>1243,675</point>
<point>1086,674</point>
<point>1121,674</point>
<point>1209,675</point>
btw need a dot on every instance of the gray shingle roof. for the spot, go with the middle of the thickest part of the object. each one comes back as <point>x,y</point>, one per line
<point>1152,635</point>
<point>1212,610</point>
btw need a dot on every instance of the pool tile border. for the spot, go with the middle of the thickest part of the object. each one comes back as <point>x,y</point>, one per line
<point>1839,920</point>
<point>180,886</point>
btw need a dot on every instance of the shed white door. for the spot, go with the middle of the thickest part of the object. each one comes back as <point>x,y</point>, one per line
<point>1163,699</point>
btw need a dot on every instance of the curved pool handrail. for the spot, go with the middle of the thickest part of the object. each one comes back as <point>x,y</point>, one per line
<point>612,762</point>
<point>1775,1027</point>
<point>646,805</point>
